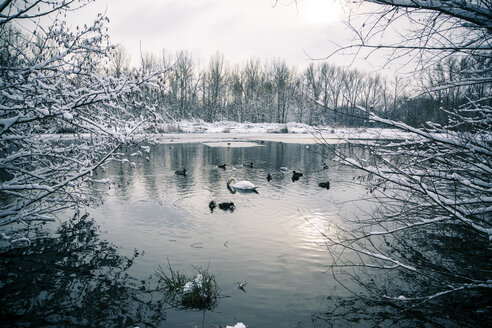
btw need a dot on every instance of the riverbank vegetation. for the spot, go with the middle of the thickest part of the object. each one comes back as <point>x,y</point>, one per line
<point>269,91</point>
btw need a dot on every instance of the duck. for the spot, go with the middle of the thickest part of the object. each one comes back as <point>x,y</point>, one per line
<point>227,206</point>
<point>284,169</point>
<point>324,184</point>
<point>325,166</point>
<point>212,205</point>
<point>269,177</point>
<point>250,164</point>
<point>222,166</point>
<point>297,174</point>
<point>182,172</point>
<point>241,185</point>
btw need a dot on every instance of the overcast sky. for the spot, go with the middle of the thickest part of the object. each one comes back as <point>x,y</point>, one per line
<point>239,29</point>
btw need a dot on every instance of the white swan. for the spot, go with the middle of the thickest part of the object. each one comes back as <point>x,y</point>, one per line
<point>241,185</point>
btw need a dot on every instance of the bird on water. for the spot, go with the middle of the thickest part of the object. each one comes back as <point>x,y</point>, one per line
<point>182,172</point>
<point>244,185</point>
<point>227,206</point>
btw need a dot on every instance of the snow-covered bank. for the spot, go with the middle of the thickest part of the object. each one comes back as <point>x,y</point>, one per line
<point>290,132</point>
<point>227,131</point>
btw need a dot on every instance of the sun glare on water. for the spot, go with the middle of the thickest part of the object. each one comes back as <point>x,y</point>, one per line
<point>319,11</point>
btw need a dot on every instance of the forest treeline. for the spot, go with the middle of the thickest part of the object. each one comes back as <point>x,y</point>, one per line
<point>321,94</point>
<point>270,91</point>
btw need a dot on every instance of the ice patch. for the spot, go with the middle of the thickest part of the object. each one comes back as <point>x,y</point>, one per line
<point>237,325</point>
<point>234,144</point>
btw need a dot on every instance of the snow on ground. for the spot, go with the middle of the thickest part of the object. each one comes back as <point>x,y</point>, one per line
<point>290,132</point>
<point>228,132</point>
<point>199,126</point>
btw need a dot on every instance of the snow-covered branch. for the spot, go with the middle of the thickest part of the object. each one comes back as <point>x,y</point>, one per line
<point>55,81</point>
<point>475,12</point>
<point>429,225</point>
<point>431,30</point>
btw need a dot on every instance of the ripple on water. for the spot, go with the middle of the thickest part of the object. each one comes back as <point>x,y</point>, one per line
<point>273,239</point>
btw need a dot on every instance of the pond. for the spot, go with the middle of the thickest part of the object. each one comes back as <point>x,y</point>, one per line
<point>272,239</point>
<point>266,241</point>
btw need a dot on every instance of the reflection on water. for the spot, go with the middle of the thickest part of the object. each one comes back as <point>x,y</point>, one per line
<point>70,279</point>
<point>266,241</point>
<point>272,240</point>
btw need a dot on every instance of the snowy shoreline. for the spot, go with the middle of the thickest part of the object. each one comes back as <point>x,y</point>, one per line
<point>228,131</point>
<point>330,132</point>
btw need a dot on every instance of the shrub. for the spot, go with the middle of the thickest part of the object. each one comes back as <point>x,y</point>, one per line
<point>199,293</point>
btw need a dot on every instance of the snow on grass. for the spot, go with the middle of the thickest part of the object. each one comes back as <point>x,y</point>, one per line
<point>199,293</point>
<point>187,131</point>
<point>196,283</point>
<point>200,126</point>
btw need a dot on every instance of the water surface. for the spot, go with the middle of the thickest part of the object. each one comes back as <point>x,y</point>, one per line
<point>272,240</point>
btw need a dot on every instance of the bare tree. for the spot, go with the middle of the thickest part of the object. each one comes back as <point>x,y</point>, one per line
<point>215,86</point>
<point>299,92</point>
<point>434,30</point>
<point>430,226</point>
<point>52,81</point>
<point>254,79</point>
<point>120,61</point>
<point>281,76</point>
<point>236,87</point>
<point>182,84</point>
<point>314,80</point>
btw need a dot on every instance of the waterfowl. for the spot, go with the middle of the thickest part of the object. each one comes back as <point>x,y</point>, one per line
<point>182,172</point>
<point>222,166</point>
<point>297,174</point>
<point>269,177</point>
<point>284,169</point>
<point>324,184</point>
<point>227,206</point>
<point>250,164</point>
<point>212,205</point>
<point>241,185</point>
<point>325,166</point>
